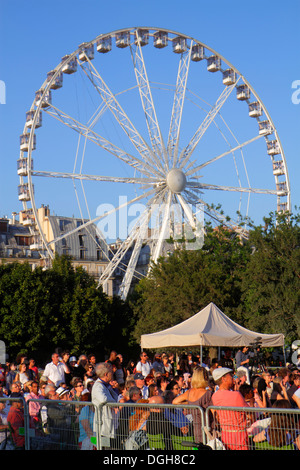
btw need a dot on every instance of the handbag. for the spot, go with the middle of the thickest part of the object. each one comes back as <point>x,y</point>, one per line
<point>136,440</point>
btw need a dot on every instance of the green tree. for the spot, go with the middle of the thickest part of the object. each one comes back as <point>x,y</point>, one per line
<point>271,282</point>
<point>179,286</point>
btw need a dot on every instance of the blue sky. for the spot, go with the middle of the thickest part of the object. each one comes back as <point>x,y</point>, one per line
<point>261,39</point>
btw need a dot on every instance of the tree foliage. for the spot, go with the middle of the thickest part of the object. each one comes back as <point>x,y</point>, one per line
<point>256,283</point>
<point>60,307</point>
<point>271,282</point>
<point>187,281</point>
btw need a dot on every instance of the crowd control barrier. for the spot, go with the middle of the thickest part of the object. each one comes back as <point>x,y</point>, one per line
<point>76,425</point>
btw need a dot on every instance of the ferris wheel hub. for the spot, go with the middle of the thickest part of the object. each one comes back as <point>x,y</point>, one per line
<point>176,180</point>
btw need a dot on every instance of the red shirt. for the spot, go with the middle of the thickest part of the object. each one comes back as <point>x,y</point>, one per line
<point>15,418</point>
<point>233,423</point>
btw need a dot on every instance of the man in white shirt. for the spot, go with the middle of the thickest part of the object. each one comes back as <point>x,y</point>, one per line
<point>55,371</point>
<point>144,366</point>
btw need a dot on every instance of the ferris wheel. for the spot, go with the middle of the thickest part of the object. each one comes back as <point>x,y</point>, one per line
<point>156,125</point>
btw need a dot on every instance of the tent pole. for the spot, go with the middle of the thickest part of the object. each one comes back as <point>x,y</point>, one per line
<point>201,358</point>
<point>284,357</point>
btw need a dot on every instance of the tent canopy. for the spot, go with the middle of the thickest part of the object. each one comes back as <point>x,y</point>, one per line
<point>209,327</point>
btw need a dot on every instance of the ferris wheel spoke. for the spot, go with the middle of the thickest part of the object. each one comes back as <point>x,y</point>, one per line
<point>98,218</point>
<point>147,102</point>
<point>189,149</point>
<point>112,179</point>
<point>238,189</point>
<point>121,117</point>
<point>178,103</point>
<point>162,235</point>
<point>105,144</point>
<point>137,233</point>
<point>218,157</point>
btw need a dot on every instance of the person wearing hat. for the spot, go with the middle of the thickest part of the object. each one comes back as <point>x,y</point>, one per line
<point>140,383</point>
<point>233,423</point>
<point>15,419</point>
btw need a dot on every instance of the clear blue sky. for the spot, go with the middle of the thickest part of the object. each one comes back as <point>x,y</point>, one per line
<point>260,38</point>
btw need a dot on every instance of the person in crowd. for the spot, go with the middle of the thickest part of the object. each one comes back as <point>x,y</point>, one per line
<point>77,389</point>
<point>279,391</point>
<point>55,371</point>
<point>87,436</point>
<point>183,364</point>
<point>168,369</point>
<point>240,378</point>
<point>140,383</point>
<point>15,419</point>
<point>261,398</point>
<point>226,360</point>
<point>102,393</point>
<point>11,375</point>
<point>294,391</point>
<point>144,366</point>
<point>157,364</point>
<point>33,405</point>
<point>33,367</point>
<point>176,416</point>
<point>153,390</point>
<point>281,432</point>
<point>248,393</point>
<point>112,357</point>
<point>23,374</point>
<point>174,387</point>
<point>233,424</point>
<point>267,376</point>
<point>131,367</point>
<point>4,409</point>
<point>242,360</point>
<point>200,395</point>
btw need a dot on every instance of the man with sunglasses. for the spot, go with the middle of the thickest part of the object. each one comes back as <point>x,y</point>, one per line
<point>144,366</point>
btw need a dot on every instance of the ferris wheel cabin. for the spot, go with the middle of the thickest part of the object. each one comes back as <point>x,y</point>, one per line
<point>70,67</point>
<point>179,45</point>
<point>45,100</point>
<point>278,168</point>
<point>273,147</point>
<point>265,128</point>
<point>27,218</point>
<point>160,39</point>
<point>55,79</point>
<point>255,109</point>
<point>104,45</point>
<point>229,77</point>
<point>22,166</point>
<point>142,37</point>
<point>24,142</point>
<point>242,92</point>
<point>213,63</point>
<point>87,52</point>
<point>197,53</point>
<point>123,39</point>
<point>30,118</point>
<point>23,192</point>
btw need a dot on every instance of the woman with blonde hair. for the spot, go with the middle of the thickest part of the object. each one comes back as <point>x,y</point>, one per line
<point>200,395</point>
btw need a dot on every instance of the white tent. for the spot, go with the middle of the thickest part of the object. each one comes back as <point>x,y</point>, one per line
<point>209,327</point>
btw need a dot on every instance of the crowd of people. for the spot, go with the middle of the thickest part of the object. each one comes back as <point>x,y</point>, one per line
<point>163,379</point>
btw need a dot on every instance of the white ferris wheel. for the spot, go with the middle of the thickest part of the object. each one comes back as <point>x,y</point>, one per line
<point>154,124</point>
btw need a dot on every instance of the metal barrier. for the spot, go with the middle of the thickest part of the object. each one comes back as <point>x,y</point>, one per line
<point>143,426</point>
<point>254,428</point>
<point>75,425</point>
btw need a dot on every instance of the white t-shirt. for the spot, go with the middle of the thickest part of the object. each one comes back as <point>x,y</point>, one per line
<point>56,373</point>
<point>144,368</point>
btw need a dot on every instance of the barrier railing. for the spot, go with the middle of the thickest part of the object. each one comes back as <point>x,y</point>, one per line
<point>254,428</point>
<point>76,425</point>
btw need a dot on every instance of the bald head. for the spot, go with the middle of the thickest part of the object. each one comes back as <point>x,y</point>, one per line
<point>156,399</point>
